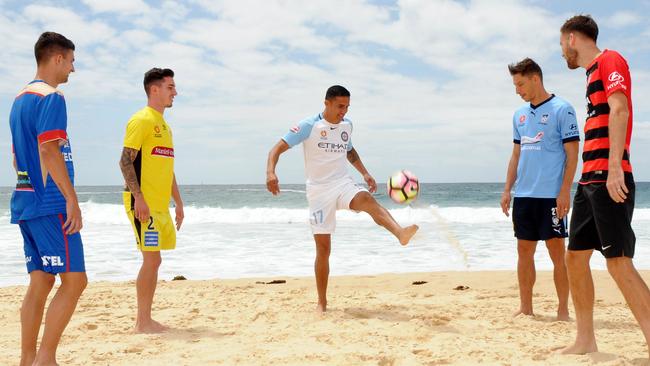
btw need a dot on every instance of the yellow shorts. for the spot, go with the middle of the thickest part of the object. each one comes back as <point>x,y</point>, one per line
<point>157,234</point>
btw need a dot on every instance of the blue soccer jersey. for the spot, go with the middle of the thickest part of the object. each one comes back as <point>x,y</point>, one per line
<point>542,131</point>
<point>38,115</point>
<point>325,146</point>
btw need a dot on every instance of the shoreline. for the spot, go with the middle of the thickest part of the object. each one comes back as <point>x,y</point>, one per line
<point>372,319</point>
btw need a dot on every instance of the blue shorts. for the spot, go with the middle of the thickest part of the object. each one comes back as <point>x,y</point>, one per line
<point>48,249</point>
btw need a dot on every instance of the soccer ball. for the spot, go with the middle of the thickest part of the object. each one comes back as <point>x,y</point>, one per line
<point>403,187</point>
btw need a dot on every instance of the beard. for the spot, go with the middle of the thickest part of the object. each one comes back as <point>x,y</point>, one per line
<point>571,57</point>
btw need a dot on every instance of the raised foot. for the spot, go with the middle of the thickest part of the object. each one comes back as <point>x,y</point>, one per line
<point>150,327</point>
<point>406,234</point>
<point>579,349</point>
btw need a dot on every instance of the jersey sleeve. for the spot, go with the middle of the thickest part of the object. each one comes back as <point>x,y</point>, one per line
<point>299,132</point>
<point>568,124</point>
<point>350,147</point>
<point>135,133</point>
<point>615,74</point>
<point>52,121</point>
<point>516,137</point>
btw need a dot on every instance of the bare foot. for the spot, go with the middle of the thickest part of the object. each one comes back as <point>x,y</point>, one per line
<point>406,234</point>
<point>579,349</point>
<point>563,316</point>
<point>321,308</point>
<point>149,327</point>
<point>36,363</point>
<point>521,312</point>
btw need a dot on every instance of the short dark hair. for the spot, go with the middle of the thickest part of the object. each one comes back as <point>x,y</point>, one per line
<point>49,43</point>
<point>336,91</point>
<point>584,24</point>
<point>526,67</point>
<point>154,76</point>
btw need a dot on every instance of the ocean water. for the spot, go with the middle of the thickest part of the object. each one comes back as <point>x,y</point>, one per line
<point>234,231</point>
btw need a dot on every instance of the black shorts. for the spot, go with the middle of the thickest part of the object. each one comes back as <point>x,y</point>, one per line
<point>536,219</point>
<point>602,224</point>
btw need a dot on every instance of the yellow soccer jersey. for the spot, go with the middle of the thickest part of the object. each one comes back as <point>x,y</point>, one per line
<point>148,133</point>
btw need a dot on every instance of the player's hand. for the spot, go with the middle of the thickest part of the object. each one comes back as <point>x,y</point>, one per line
<point>272,183</point>
<point>180,215</point>
<point>141,209</point>
<point>73,222</point>
<point>370,181</point>
<point>616,184</point>
<point>505,203</point>
<point>563,204</point>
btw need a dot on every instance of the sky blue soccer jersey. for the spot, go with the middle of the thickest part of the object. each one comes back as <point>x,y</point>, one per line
<point>325,146</point>
<point>542,131</point>
<point>38,115</point>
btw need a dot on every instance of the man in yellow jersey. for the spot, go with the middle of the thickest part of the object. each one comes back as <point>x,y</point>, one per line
<point>147,164</point>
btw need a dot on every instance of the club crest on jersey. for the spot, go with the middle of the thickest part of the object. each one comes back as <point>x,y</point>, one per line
<point>544,119</point>
<point>522,119</point>
<point>157,129</point>
<point>344,136</point>
<point>323,133</point>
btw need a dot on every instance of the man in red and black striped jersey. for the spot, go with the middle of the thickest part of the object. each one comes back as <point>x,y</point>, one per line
<point>604,202</point>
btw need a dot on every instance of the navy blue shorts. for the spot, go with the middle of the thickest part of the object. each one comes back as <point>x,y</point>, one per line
<point>48,249</point>
<point>536,219</point>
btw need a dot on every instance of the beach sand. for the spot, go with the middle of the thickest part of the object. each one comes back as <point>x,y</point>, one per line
<point>372,320</point>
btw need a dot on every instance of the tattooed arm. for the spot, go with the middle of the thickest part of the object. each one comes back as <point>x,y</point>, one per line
<point>131,179</point>
<point>355,160</point>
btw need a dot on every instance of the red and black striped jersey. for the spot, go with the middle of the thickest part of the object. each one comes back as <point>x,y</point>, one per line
<point>607,74</point>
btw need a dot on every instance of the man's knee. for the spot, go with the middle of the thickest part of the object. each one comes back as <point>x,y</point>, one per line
<point>363,201</point>
<point>526,249</point>
<point>75,281</point>
<point>620,266</point>
<point>577,259</point>
<point>323,244</point>
<point>151,260</point>
<point>42,281</point>
<point>556,250</point>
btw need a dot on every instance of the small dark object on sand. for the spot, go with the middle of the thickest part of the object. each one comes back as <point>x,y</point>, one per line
<point>274,282</point>
<point>461,288</point>
<point>419,282</point>
<point>179,278</point>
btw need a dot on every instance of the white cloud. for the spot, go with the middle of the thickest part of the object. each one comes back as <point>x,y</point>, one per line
<point>622,19</point>
<point>247,70</point>
<point>118,6</point>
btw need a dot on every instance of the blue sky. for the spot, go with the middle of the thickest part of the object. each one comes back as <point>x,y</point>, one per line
<point>429,80</point>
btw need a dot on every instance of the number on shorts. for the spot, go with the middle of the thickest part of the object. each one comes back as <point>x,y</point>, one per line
<point>150,227</point>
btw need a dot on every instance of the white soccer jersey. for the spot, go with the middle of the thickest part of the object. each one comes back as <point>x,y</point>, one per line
<point>325,146</point>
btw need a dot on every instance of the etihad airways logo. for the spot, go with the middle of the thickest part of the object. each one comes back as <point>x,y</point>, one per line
<point>333,147</point>
<point>166,152</point>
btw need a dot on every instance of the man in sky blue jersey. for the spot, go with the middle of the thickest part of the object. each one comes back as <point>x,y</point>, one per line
<point>44,203</point>
<point>541,168</point>
<point>327,142</point>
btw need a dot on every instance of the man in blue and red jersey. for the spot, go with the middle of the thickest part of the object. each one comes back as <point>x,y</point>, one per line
<point>604,202</point>
<point>541,169</point>
<point>44,203</point>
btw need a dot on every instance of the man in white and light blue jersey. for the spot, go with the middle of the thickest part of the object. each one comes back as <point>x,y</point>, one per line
<point>327,143</point>
<point>541,168</point>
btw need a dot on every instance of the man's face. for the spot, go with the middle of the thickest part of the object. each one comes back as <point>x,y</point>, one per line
<point>166,91</point>
<point>65,63</point>
<point>569,53</point>
<point>338,107</point>
<point>525,86</point>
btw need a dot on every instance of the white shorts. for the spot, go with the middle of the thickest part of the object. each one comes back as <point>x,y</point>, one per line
<point>325,199</point>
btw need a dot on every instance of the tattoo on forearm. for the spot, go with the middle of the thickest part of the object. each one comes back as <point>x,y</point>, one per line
<point>128,170</point>
<point>353,157</point>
